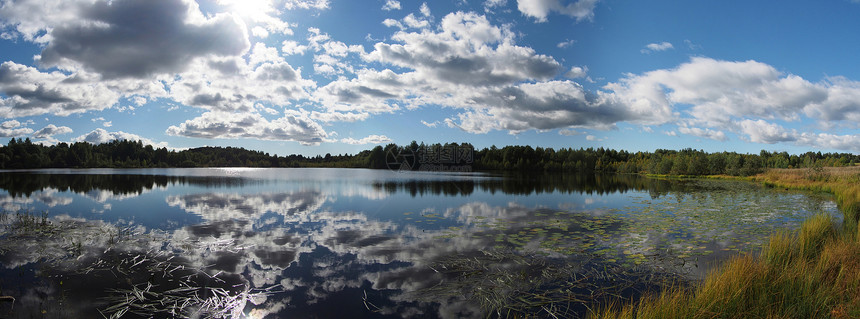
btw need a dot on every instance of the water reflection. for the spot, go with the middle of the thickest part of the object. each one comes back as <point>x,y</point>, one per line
<point>376,245</point>
<point>513,184</point>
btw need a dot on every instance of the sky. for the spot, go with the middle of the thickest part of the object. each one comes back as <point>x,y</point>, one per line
<point>340,76</point>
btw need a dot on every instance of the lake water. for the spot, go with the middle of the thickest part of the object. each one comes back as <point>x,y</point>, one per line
<point>304,243</point>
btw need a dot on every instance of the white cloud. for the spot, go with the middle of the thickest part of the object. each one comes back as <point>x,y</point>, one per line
<point>577,72</point>
<point>260,32</point>
<point>842,102</point>
<point>429,124</point>
<point>294,126</point>
<point>540,9</point>
<point>372,139</point>
<point>830,141</point>
<point>13,128</point>
<point>720,91</point>
<point>656,47</point>
<point>290,47</point>
<point>51,130</point>
<point>306,4</point>
<point>760,131</point>
<point>393,23</point>
<point>139,100</point>
<point>233,84</point>
<point>746,98</point>
<point>565,43</point>
<point>99,136</point>
<point>330,55</point>
<point>490,4</point>
<point>569,132</point>
<point>335,116</point>
<point>261,53</point>
<point>391,5</point>
<point>706,133</point>
<point>425,10</point>
<point>31,92</point>
<point>472,65</point>
<point>414,22</point>
<point>467,50</point>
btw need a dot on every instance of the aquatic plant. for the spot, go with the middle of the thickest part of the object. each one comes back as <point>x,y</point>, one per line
<point>814,273</point>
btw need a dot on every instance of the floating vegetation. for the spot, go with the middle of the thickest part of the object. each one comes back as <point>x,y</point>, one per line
<point>509,284</point>
<point>557,263</point>
<point>715,218</point>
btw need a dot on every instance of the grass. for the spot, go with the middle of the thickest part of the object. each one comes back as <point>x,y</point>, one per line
<point>812,273</point>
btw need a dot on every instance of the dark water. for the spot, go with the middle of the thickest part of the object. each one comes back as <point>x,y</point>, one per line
<point>322,243</point>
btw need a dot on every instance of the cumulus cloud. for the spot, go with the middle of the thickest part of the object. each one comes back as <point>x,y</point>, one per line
<point>547,105</point>
<point>372,139</point>
<point>721,90</point>
<point>656,47</point>
<point>140,38</point>
<point>748,98</point>
<point>468,50</point>
<point>32,18</point>
<point>391,5</point>
<point>51,130</point>
<point>13,128</point>
<point>540,9</point>
<point>329,54</point>
<point>577,72</point>
<point>842,102</point>
<point>706,133</point>
<point>472,65</point>
<point>100,136</point>
<point>31,92</point>
<point>830,141</point>
<point>234,84</point>
<point>290,47</point>
<point>294,126</point>
<point>760,131</point>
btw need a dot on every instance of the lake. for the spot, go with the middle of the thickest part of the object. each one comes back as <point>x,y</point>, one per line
<point>304,243</point>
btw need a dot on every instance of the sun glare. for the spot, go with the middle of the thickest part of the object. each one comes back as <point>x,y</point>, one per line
<point>247,8</point>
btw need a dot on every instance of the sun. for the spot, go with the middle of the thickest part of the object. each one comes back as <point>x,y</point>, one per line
<point>248,8</point>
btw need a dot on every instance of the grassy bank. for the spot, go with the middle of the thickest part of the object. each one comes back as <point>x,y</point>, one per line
<point>811,273</point>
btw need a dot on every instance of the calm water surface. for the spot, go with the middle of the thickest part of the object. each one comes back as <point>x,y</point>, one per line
<point>301,243</point>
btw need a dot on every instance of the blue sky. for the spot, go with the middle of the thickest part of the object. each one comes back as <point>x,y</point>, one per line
<point>330,76</point>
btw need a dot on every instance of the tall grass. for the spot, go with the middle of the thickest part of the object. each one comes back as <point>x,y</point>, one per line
<point>811,273</point>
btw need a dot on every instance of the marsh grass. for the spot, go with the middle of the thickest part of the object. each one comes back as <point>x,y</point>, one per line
<point>812,273</point>
<point>27,223</point>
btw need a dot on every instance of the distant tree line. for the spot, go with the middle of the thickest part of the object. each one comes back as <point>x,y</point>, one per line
<point>20,154</point>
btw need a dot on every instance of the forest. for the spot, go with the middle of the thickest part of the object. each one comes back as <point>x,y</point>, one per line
<point>24,154</point>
